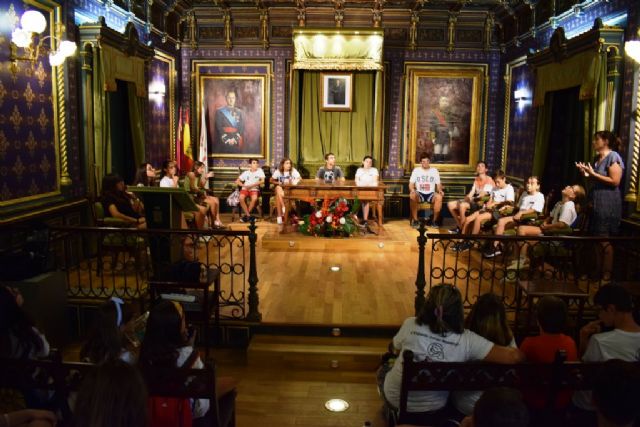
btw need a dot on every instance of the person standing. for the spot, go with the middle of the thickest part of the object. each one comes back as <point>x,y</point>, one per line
<point>424,186</point>
<point>606,174</point>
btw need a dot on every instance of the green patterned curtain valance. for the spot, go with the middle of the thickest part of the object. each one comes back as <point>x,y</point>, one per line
<point>581,70</point>
<point>337,49</point>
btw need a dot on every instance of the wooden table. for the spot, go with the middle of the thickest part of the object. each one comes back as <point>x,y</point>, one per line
<point>314,189</point>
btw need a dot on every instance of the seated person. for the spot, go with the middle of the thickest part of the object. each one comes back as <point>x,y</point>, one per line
<point>107,340</point>
<point>330,173</point>
<point>438,334</point>
<point>482,185</point>
<point>145,176</point>
<point>488,318</point>
<point>195,183</point>
<point>616,393</point>
<point>167,345</point>
<point>623,342</point>
<point>29,418</point>
<point>366,176</point>
<point>286,174</point>
<point>120,204</point>
<point>499,407</point>
<point>532,202</point>
<point>563,215</point>
<point>424,186</point>
<point>250,181</point>
<point>501,198</point>
<point>169,175</point>
<point>552,320</point>
<point>19,338</point>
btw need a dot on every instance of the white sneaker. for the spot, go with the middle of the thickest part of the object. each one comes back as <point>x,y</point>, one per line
<point>279,220</point>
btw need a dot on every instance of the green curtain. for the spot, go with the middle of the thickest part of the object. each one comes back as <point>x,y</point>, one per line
<point>101,119</point>
<point>595,109</point>
<point>349,135</point>
<point>294,118</point>
<point>136,120</point>
<point>543,130</point>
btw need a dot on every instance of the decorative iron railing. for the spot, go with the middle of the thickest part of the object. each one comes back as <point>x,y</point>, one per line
<point>105,262</point>
<point>470,263</point>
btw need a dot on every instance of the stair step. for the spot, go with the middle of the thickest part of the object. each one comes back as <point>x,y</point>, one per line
<point>316,353</point>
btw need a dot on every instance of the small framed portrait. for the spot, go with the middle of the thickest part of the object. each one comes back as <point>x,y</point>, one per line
<point>336,91</point>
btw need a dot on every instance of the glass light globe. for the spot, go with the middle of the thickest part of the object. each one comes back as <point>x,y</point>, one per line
<point>632,48</point>
<point>33,21</point>
<point>56,58</point>
<point>67,48</point>
<point>21,38</point>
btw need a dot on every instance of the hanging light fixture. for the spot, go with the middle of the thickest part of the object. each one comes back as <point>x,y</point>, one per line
<point>32,25</point>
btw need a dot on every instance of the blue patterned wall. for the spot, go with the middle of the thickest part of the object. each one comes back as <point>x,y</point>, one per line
<point>522,125</point>
<point>521,147</point>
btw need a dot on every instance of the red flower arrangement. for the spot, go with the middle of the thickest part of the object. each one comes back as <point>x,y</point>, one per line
<point>333,218</point>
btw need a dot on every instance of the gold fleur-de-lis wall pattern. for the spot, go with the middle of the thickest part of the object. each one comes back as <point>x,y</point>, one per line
<point>28,159</point>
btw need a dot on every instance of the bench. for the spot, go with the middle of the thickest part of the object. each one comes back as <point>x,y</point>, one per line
<point>551,378</point>
<point>65,378</point>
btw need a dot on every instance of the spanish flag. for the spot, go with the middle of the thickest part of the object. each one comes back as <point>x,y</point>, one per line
<point>187,154</point>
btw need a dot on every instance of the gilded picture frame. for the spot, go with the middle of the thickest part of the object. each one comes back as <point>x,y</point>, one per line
<point>238,128</point>
<point>336,91</point>
<point>444,114</point>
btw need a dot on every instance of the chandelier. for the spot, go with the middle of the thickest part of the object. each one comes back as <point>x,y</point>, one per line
<point>26,37</point>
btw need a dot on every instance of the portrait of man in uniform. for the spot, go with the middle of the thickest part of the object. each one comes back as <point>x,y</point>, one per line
<point>230,125</point>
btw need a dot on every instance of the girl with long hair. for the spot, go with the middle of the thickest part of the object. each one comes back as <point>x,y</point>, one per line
<point>145,175</point>
<point>19,338</point>
<point>488,319</point>
<point>195,183</point>
<point>286,174</point>
<point>107,339</point>
<point>438,334</point>
<point>366,176</point>
<point>169,178</point>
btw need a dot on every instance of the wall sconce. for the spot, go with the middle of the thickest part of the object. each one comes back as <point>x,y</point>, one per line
<point>522,98</point>
<point>33,22</point>
<point>157,91</point>
<point>632,48</point>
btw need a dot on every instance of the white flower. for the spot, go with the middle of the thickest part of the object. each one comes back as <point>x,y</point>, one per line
<point>300,222</point>
<point>319,214</point>
<point>329,218</point>
<point>343,221</point>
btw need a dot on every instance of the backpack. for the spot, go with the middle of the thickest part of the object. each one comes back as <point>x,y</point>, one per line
<point>234,198</point>
<point>172,411</point>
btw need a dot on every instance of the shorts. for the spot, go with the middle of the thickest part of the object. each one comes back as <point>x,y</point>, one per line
<point>425,197</point>
<point>249,192</point>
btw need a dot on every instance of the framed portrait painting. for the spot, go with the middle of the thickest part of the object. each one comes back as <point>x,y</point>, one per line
<point>336,91</point>
<point>236,114</point>
<point>444,114</point>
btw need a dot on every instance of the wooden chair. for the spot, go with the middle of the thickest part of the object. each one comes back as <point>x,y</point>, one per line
<point>202,293</point>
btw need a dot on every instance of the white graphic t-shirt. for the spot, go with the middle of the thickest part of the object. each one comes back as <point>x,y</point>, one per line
<point>288,177</point>
<point>501,195</point>
<point>248,178</point>
<point>425,180</point>
<point>437,348</point>
<point>366,177</point>
<point>532,201</point>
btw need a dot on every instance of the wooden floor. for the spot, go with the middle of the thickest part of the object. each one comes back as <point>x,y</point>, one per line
<point>374,286</point>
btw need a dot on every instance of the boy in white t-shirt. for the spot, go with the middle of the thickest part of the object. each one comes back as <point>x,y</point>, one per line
<point>424,186</point>
<point>366,176</point>
<point>531,202</point>
<point>482,186</point>
<point>563,215</point>
<point>623,342</point>
<point>250,180</point>
<point>502,197</point>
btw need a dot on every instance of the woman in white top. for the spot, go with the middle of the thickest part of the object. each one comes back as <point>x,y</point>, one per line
<point>286,174</point>
<point>366,176</point>
<point>169,174</point>
<point>438,334</point>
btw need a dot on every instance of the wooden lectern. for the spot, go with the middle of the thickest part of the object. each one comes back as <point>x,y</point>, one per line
<point>163,210</point>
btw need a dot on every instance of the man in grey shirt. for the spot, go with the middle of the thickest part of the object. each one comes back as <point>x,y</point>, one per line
<point>330,173</point>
